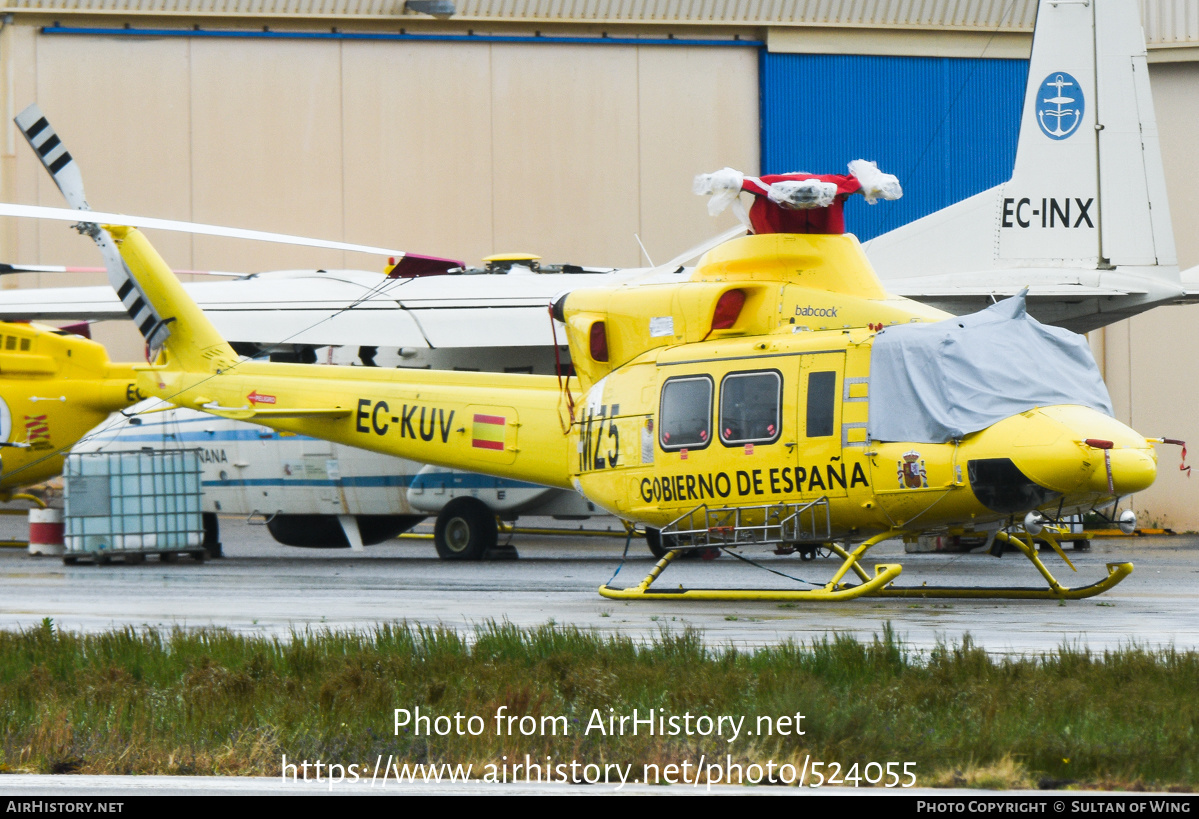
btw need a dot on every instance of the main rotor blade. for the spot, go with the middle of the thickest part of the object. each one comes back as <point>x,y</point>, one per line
<point>8,269</point>
<point>103,218</point>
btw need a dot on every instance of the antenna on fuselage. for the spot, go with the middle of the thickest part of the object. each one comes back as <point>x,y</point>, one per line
<point>643,250</point>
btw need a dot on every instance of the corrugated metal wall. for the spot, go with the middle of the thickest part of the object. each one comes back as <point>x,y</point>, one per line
<point>1167,22</point>
<point>1171,22</point>
<point>980,13</point>
<point>946,127</point>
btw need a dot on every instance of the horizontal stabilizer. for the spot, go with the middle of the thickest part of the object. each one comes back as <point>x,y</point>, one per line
<point>1190,287</point>
<point>247,413</point>
<point>1078,300</point>
<point>938,287</point>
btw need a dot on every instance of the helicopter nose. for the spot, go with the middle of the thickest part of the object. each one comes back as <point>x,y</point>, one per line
<point>1121,471</point>
<point>1085,451</point>
<point>1061,452</point>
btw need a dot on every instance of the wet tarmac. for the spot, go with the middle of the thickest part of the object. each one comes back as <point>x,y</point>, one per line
<point>262,587</point>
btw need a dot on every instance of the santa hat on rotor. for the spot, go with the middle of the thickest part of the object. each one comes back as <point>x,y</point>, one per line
<point>775,196</point>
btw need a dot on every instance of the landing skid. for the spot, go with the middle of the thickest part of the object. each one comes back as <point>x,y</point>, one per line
<point>833,590</point>
<point>1056,591</point>
<point>878,585</point>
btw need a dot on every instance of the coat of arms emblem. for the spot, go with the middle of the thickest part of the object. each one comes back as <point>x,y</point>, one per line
<point>912,474</point>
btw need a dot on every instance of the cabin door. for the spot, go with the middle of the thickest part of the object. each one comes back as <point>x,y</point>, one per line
<point>820,468</point>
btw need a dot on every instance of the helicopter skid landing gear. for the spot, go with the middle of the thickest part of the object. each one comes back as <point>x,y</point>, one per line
<point>1056,591</point>
<point>885,573</point>
<point>879,584</point>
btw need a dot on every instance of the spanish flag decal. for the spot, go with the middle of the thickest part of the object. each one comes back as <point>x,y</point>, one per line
<point>488,431</point>
<point>37,432</point>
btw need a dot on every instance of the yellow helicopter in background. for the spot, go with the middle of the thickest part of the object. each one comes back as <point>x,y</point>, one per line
<point>55,386</point>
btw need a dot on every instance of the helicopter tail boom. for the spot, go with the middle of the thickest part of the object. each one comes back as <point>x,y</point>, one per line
<point>496,423</point>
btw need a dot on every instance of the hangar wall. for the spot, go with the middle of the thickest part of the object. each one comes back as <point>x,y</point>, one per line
<point>464,148</point>
<point>954,136</point>
<point>1151,362</point>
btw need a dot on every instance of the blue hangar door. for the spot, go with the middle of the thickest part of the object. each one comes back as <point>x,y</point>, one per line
<point>945,126</point>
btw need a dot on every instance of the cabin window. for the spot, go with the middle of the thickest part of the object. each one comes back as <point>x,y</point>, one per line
<point>24,345</point>
<point>750,407</point>
<point>10,343</point>
<point>822,394</point>
<point>685,416</point>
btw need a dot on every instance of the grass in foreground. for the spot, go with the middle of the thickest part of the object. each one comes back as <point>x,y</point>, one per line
<point>215,702</point>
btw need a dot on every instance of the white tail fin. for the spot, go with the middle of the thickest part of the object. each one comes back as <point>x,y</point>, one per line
<point>1048,209</point>
<point>1088,183</point>
<point>1086,205</point>
<point>1135,214</point>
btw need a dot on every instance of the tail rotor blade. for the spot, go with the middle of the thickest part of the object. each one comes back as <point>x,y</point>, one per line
<point>41,136</point>
<point>155,328</point>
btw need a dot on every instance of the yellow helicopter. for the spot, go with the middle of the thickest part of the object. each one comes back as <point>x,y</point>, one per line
<point>777,395</point>
<point>738,407</point>
<point>55,386</point>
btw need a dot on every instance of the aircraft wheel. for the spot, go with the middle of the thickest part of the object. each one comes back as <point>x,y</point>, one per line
<point>212,535</point>
<point>465,530</point>
<point>653,539</point>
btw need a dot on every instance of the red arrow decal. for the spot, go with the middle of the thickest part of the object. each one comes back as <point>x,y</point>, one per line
<point>258,398</point>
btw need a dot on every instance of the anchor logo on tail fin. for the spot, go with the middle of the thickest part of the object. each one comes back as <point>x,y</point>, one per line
<point>1059,105</point>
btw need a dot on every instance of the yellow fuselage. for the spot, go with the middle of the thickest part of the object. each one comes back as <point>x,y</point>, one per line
<point>53,389</point>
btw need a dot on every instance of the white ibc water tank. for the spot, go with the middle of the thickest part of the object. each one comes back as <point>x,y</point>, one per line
<point>122,502</point>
